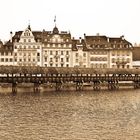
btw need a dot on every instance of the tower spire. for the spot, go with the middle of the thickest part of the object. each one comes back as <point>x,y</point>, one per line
<point>29,27</point>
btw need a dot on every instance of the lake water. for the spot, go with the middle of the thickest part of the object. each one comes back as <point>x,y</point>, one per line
<point>70,115</point>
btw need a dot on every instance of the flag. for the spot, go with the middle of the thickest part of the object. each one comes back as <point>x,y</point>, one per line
<point>55,19</point>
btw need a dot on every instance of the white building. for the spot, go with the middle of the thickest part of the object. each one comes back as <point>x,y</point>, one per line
<point>27,48</point>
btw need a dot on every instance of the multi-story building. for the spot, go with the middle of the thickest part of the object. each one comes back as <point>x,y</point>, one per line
<point>27,48</point>
<point>6,53</point>
<point>98,51</point>
<point>58,49</point>
<point>120,53</point>
<point>106,52</point>
<point>79,53</point>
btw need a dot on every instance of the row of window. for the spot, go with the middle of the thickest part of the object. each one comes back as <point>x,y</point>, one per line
<point>27,60</point>
<point>121,53</point>
<point>56,65</point>
<point>27,54</point>
<point>6,60</point>
<point>59,45</point>
<point>121,66</point>
<point>56,60</point>
<point>98,59</point>
<point>58,52</point>
<point>77,54</point>
<point>6,53</point>
<point>98,52</point>
<point>27,47</point>
<point>114,60</point>
<point>98,65</point>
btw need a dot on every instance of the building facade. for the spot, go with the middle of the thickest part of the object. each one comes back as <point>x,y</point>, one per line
<point>58,49</point>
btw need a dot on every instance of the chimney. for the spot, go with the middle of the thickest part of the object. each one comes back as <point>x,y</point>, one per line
<point>11,35</point>
<point>80,39</point>
<point>108,39</point>
<point>97,34</point>
<point>122,37</point>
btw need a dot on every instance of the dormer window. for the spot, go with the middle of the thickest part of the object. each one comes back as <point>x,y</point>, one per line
<point>26,33</point>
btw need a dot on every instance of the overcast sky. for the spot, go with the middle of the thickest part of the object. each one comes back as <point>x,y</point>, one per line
<point>107,17</point>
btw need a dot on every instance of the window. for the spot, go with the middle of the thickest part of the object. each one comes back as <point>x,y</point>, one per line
<point>84,54</point>
<point>45,59</point>
<point>2,59</point>
<point>11,59</point>
<point>67,59</point>
<point>15,60</point>
<point>113,60</point>
<point>67,65</point>
<point>62,65</point>
<point>51,53</point>
<point>15,54</point>
<point>38,47</point>
<point>29,40</point>
<point>76,60</point>
<point>67,52</point>
<point>20,60</point>
<point>61,52</point>
<point>15,47</point>
<point>38,54</point>
<point>38,59</point>
<point>50,59</point>
<point>62,59</point>
<point>56,60</point>
<point>29,47</point>
<point>24,40</point>
<point>56,52</point>
<point>76,54</point>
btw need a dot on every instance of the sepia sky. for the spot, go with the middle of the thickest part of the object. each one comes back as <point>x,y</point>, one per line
<point>106,17</point>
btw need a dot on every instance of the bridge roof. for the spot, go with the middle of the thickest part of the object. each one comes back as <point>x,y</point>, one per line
<point>63,70</point>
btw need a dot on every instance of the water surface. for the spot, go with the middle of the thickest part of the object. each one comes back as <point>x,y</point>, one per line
<point>70,115</point>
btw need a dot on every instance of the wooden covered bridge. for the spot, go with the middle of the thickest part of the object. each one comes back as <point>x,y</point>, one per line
<point>61,75</point>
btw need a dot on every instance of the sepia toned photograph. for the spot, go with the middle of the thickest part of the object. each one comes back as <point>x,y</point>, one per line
<point>70,70</point>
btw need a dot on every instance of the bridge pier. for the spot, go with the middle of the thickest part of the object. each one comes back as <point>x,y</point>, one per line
<point>97,86</point>
<point>113,85</point>
<point>14,87</point>
<point>79,86</point>
<point>36,87</point>
<point>58,86</point>
<point>136,84</point>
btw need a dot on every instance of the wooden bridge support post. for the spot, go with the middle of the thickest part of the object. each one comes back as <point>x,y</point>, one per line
<point>58,86</point>
<point>79,86</point>
<point>113,85</point>
<point>97,86</point>
<point>136,84</point>
<point>36,87</point>
<point>14,87</point>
